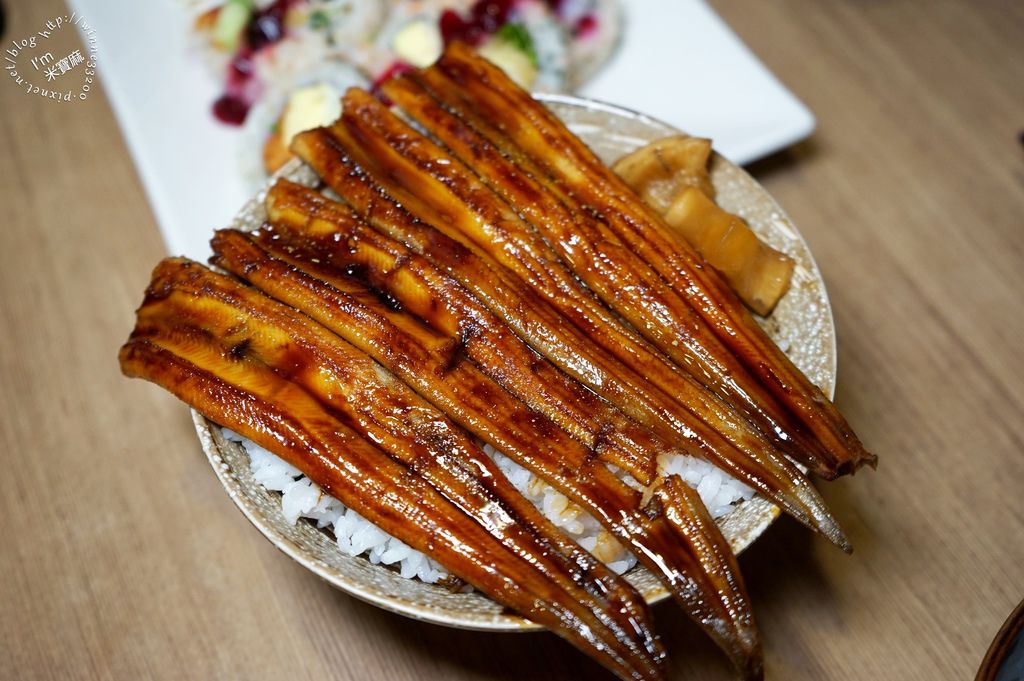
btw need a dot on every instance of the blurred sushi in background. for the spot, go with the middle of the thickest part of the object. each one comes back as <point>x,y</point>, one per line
<point>544,45</point>
<point>260,47</point>
<point>284,64</point>
<point>307,100</point>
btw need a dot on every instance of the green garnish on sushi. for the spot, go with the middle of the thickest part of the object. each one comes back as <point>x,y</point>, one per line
<point>231,21</point>
<point>318,20</point>
<point>517,36</point>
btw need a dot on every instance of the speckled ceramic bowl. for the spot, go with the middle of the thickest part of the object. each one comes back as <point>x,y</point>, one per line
<point>801,324</point>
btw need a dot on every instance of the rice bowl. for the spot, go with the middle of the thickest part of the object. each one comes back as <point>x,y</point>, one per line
<point>801,324</point>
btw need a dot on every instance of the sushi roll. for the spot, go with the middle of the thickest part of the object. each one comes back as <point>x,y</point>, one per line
<point>595,28</point>
<point>260,47</point>
<point>523,37</point>
<point>306,101</point>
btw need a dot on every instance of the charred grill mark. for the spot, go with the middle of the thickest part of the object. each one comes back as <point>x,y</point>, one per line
<point>602,439</point>
<point>454,353</point>
<point>355,270</point>
<point>388,300</point>
<point>240,349</point>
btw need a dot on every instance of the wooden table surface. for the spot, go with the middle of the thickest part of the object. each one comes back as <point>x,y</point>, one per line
<point>122,558</point>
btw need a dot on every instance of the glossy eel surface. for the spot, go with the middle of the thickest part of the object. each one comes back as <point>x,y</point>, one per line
<point>304,220</point>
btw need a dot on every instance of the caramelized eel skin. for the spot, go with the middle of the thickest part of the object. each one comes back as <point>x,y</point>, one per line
<point>698,421</point>
<point>275,376</point>
<point>305,221</point>
<point>715,600</point>
<point>611,269</point>
<point>538,134</point>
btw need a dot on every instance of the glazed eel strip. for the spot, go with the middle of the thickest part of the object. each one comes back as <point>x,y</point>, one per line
<point>612,270</point>
<point>704,424</point>
<point>539,135</point>
<point>204,317</point>
<point>671,533</point>
<point>342,164</point>
<point>304,219</point>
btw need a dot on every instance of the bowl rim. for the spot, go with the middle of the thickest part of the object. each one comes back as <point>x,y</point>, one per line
<point>212,440</point>
<point>1006,641</point>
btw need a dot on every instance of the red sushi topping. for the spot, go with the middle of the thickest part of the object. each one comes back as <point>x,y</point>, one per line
<point>264,29</point>
<point>586,25</point>
<point>240,70</point>
<point>230,109</point>
<point>490,15</point>
<point>485,18</point>
<point>267,26</point>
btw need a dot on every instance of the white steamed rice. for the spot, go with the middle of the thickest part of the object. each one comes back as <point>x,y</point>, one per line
<point>302,498</point>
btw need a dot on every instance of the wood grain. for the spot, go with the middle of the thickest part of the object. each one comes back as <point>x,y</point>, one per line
<point>123,558</point>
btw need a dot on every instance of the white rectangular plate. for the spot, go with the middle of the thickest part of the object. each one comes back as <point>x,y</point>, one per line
<point>681,63</point>
<point>678,62</point>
